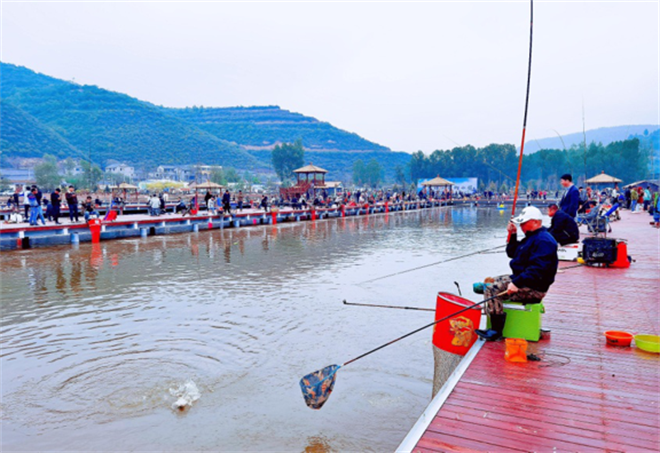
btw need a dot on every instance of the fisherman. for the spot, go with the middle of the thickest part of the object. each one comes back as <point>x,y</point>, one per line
<point>226,202</point>
<point>239,200</point>
<point>570,201</point>
<point>72,202</point>
<point>89,209</point>
<point>562,227</point>
<point>534,265</point>
<point>56,202</point>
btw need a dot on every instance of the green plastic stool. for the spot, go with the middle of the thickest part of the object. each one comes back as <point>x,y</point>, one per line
<point>522,321</point>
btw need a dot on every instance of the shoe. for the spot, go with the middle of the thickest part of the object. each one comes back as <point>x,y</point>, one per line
<point>497,327</point>
<point>488,335</point>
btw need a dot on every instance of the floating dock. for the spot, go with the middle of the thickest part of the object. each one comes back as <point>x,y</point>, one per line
<point>23,236</point>
<point>584,395</point>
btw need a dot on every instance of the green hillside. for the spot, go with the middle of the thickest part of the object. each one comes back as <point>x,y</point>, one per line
<point>266,126</point>
<point>21,135</point>
<point>106,125</point>
<point>43,115</point>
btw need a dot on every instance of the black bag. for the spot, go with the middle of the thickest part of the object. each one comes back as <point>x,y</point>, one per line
<point>599,250</point>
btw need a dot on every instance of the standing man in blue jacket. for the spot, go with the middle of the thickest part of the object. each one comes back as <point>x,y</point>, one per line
<point>570,201</point>
<point>534,266</point>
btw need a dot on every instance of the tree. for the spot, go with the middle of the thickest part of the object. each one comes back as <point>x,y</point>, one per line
<point>4,183</point>
<point>69,165</point>
<point>232,175</point>
<point>286,158</point>
<point>46,173</point>
<point>399,175</point>
<point>92,174</point>
<point>218,176</point>
<point>358,172</point>
<point>373,173</point>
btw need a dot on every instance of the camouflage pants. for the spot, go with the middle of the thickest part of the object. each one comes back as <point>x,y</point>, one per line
<point>500,284</point>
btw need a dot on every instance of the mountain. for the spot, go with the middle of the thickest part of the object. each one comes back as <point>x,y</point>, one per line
<point>42,114</point>
<point>264,127</point>
<point>107,125</point>
<point>604,135</point>
<point>22,135</point>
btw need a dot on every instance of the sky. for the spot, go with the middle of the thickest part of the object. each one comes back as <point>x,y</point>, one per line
<point>410,76</point>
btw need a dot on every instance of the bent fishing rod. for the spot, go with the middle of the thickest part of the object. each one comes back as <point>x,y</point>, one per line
<point>529,78</point>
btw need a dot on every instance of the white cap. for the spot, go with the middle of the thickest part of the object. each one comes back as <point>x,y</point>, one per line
<point>529,213</point>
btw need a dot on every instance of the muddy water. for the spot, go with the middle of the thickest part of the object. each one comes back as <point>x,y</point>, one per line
<point>95,339</point>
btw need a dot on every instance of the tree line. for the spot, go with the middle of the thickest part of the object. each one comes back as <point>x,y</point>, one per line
<point>496,165</point>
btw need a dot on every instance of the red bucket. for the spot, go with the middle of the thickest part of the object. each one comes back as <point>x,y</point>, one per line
<point>95,229</point>
<point>456,334</point>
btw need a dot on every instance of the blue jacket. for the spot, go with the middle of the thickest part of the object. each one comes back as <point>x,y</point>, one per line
<point>570,202</point>
<point>564,229</point>
<point>534,262</point>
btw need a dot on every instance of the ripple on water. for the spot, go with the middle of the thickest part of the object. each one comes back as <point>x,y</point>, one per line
<point>111,388</point>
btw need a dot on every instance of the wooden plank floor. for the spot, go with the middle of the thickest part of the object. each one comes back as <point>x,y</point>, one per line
<point>584,395</point>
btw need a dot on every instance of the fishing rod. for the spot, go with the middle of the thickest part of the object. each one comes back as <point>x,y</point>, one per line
<point>388,306</point>
<point>529,78</point>
<point>317,386</point>
<point>431,264</point>
<point>462,310</point>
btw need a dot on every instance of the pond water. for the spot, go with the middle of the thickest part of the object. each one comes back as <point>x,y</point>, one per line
<point>97,339</point>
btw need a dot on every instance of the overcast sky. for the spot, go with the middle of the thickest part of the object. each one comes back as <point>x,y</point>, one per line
<point>411,76</point>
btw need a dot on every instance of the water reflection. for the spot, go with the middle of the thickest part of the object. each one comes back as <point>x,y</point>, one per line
<point>95,336</point>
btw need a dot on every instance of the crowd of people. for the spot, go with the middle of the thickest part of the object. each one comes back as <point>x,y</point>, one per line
<point>30,204</point>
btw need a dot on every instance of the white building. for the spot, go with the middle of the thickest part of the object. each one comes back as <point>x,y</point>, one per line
<point>121,169</point>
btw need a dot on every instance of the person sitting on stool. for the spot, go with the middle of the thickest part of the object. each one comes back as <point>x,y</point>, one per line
<point>562,227</point>
<point>534,265</point>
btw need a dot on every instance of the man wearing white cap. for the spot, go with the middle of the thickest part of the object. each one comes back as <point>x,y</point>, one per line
<point>534,265</point>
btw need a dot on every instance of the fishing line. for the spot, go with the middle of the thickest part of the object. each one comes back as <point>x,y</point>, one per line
<point>431,264</point>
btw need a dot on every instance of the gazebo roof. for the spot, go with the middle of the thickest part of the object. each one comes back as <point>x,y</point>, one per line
<point>127,186</point>
<point>602,179</point>
<point>310,169</point>
<point>207,185</point>
<point>438,181</point>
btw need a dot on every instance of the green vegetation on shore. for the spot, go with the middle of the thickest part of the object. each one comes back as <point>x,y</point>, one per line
<point>496,165</point>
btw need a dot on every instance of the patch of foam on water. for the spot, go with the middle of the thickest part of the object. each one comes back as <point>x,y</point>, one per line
<point>186,394</point>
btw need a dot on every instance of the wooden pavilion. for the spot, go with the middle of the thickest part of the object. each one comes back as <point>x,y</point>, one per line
<point>314,178</point>
<point>603,179</point>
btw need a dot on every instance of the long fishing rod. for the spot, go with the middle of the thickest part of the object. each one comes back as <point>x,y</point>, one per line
<point>431,264</point>
<point>388,306</point>
<point>529,78</point>
<point>462,310</point>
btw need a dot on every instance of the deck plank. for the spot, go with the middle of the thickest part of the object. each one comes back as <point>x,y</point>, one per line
<point>604,399</point>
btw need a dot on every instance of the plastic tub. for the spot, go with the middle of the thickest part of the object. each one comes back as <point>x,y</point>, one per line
<point>618,338</point>
<point>648,343</point>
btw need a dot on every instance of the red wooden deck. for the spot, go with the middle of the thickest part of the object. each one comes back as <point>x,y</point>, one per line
<point>584,395</point>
